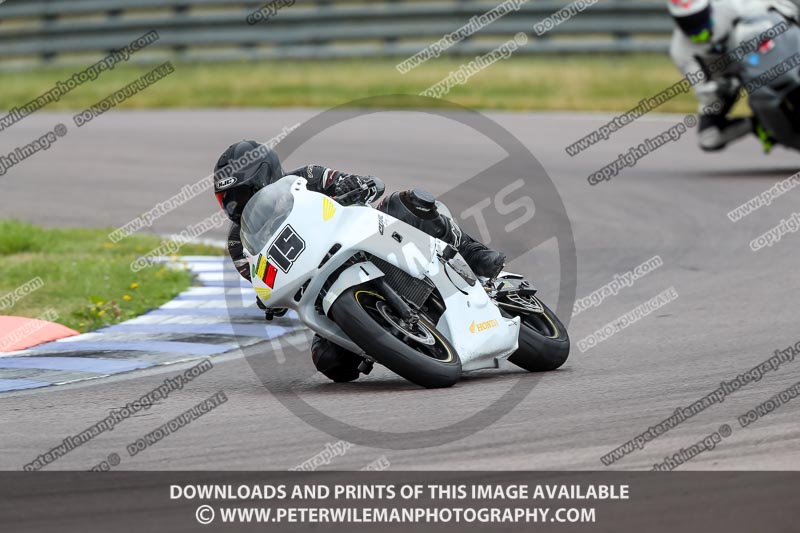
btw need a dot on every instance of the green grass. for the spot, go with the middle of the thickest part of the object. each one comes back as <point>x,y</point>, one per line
<point>596,83</point>
<point>87,279</point>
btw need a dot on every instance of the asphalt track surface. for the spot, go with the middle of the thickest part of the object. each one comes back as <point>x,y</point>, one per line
<point>735,306</point>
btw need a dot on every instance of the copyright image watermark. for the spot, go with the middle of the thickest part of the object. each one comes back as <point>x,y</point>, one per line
<point>637,153</point>
<point>770,406</point>
<point>711,441</point>
<point>90,73</point>
<point>172,245</point>
<point>684,455</point>
<point>467,70</point>
<point>189,192</point>
<point>331,451</point>
<point>474,25</point>
<point>765,198</point>
<point>163,431</point>
<point>628,319</point>
<point>775,72</point>
<point>562,15</point>
<point>619,282</point>
<point>718,395</point>
<point>107,464</point>
<point>21,153</point>
<point>774,235</point>
<point>268,10</point>
<point>120,95</point>
<point>117,416</point>
<point>10,299</point>
<point>708,443</point>
<point>176,424</point>
<point>26,330</point>
<point>378,465</point>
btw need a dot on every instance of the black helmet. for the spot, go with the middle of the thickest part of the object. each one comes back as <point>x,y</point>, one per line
<point>242,170</point>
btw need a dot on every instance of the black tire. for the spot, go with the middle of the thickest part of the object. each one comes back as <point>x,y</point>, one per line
<point>353,313</point>
<point>543,342</point>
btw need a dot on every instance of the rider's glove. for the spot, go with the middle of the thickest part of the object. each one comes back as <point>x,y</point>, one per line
<point>243,267</point>
<point>348,184</point>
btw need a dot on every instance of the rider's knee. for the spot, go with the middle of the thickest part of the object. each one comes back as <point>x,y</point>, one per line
<point>336,363</point>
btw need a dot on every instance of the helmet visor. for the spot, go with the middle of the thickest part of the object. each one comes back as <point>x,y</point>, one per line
<point>234,201</point>
<point>698,26</point>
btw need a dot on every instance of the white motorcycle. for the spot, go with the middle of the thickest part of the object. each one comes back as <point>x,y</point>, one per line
<point>389,292</point>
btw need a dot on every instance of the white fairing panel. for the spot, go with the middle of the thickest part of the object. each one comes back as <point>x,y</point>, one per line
<point>288,269</point>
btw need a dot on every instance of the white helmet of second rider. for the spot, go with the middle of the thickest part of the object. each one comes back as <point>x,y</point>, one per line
<point>693,17</point>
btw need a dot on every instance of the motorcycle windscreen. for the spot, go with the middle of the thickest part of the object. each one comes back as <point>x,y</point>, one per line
<point>265,214</point>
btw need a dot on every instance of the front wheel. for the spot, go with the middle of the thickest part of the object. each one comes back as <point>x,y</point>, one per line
<point>416,352</point>
<point>543,341</point>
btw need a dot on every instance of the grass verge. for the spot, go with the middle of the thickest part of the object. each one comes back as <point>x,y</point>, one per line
<point>579,83</point>
<point>87,279</point>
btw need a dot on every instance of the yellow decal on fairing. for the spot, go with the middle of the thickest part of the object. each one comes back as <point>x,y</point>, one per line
<point>483,326</point>
<point>328,209</point>
<point>261,267</point>
<point>263,293</point>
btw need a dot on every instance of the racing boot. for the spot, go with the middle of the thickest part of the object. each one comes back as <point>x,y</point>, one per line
<point>716,132</point>
<point>274,312</point>
<point>271,312</point>
<point>481,259</point>
<point>420,209</point>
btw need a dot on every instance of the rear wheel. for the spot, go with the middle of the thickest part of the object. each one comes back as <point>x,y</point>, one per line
<point>543,341</point>
<point>413,350</point>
